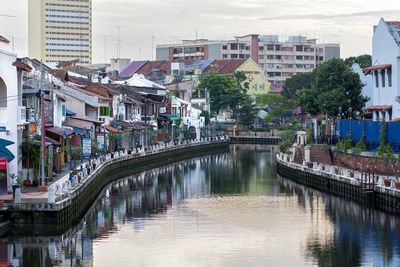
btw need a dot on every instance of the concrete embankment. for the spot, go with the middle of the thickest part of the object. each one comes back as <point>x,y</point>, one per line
<point>72,204</point>
<point>256,140</point>
<point>339,181</point>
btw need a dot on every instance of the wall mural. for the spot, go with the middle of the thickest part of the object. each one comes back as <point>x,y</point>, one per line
<point>4,152</point>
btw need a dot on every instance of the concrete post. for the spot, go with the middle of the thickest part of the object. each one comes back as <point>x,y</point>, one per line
<point>18,196</point>
<point>52,195</point>
<point>307,153</point>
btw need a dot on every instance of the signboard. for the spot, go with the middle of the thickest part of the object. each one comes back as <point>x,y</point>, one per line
<point>163,110</point>
<point>63,111</point>
<point>87,147</point>
<point>100,140</point>
<point>32,128</point>
<point>3,163</point>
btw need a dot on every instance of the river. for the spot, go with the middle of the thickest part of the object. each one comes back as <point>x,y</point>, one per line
<point>229,209</point>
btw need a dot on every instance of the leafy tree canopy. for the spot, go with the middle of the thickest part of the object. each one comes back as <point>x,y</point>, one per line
<point>364,61</point>
<point>298,82</point>
<point>277,104</point>
<point>336,86</point>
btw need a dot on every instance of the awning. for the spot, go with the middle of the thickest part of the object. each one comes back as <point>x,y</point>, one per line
<point>167,117</point>
<point>88,120</point>
<point>49,142</point>
<point>70,113</point>
<point>368,70</point>
<point>379,107</point>
<point>60,131</point>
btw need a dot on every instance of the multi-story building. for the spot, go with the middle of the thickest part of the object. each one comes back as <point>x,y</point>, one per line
<point>280,60</point>
<point>60,30</point>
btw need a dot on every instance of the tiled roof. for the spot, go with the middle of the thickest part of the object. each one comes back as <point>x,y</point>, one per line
<point>103,98</point>
<point>148,67</point>
<point>376,67</point>
<point>21,65</point>
<point>379,107</point>
<point>396,24</point>
<point>232,66</point>
<point>59,131</point>
<point>112,129</point>
<point>62,74</point>
<point>87,119</point>
<point>4,40</point>
<point>131,68</point>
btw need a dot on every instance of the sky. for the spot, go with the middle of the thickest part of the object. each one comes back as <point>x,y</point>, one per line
<point>141,24</point>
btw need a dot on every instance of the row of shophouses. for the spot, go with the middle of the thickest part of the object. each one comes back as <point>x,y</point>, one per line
<point>81,102</point>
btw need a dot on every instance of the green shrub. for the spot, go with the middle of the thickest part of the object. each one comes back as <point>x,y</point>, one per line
<point>348,144</point>
<point>361,144</point>
<point>262,130</point>
<point>310,137</point>
<point>285,146</point>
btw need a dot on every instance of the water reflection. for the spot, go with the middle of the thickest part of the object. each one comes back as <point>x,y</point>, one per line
<point>228,209</point>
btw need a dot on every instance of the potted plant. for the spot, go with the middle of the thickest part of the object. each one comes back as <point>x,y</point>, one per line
<point>310,165</point>
<point>351,173</point>
<point>386,182</point>
<point>336,171</point>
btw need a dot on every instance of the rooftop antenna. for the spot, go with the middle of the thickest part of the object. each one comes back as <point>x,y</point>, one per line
<point>105,46</point>
<point>119,41</point>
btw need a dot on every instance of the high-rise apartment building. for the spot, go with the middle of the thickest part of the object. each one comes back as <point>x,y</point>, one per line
<point>60,30</point>
<point>280,60</point>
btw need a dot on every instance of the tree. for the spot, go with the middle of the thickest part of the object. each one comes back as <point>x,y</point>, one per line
<point>336,86</point>
<point>364,61</point>
<point>221,88</point>
<point>239,78</point>
<point>206,116</point>
<point>246,111</point>
<point>277,104</point>
<point>296,83</point>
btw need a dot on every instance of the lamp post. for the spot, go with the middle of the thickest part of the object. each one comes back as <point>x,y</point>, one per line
<point>340,123</point>
<point>93,128</point>
<point>81,153</point>
<point>118,127</point>
<point>151,137</point>
<point>70,155</point>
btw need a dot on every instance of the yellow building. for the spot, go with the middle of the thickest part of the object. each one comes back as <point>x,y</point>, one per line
<point>60,30</point>
<point>256,77</point>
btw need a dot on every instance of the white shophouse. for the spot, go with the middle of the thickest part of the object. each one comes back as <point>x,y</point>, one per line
<point>12,113</point>
<point>385,71</point>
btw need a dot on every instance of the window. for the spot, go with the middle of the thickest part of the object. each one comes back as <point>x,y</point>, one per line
<point>278,57</point>
<point>224,47</point>
<point>262,65</point>
<point>224,56</point>
<point>289,57</point>
<point>320,58</point>
<point>376,79</point>
<point>187,49</point>
<point>383,77</point>
<point>261,56</point>
<point>389,72</point>
<point>270,56</point>
<point>269,65</point>
<point>234,46</point>
<point>299,48</point>
<point>247,56</point>
<point>261,48</point>
<point>270,47</point>
<point>3,94</point>
<point>241,55</point>
<point>247,47</point>
<point>299,57</point>
<point>234,56</point>
<point>104,111</point>
<point>241,46</point>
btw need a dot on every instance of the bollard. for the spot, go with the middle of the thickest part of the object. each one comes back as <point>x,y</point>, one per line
<point>18,196</point>
<point>51,195</point>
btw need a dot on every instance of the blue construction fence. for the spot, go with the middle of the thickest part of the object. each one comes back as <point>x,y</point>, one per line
<point>371,131</point>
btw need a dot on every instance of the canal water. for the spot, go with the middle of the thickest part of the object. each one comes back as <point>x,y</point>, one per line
<point>229,209</point>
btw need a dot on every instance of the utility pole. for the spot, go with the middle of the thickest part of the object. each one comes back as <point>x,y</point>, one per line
<point>43,145</point>
<point>119,48</point>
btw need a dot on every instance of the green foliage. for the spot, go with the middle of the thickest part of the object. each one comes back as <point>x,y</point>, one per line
<point>76,153</point>
<point>348,144</point>
<point>364,61</point>
<point>296,83</point>
<point>355,151</point>
<point>224,92</point>
<point>246,111</point>
<point>310,137</point>
<point>361,144</point>
<point>336,86</point>
<point>277,104</point>
<point>206,115</point>
<point>240,77</point>
<point>285,146</point>
<point>262,130</point>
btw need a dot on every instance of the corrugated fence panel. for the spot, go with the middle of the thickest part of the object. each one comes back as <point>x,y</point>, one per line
<point>393,132</point>
<point>356,130</point>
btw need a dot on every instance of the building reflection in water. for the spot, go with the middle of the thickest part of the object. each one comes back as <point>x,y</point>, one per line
<point>343,233</point>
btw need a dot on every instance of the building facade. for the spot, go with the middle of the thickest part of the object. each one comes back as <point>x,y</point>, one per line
<point>385,71</point>
<point>60,30</point>
<point>281,60</point>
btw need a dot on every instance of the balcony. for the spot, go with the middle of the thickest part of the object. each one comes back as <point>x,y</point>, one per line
<point>21,113</point>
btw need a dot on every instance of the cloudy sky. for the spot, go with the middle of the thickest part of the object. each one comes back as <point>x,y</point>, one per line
<point>348,22</point>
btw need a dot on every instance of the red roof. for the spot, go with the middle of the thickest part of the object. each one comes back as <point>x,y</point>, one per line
<point>225,66</point>
<point>62,74</point>
<point>148,67</point>
<point>395,120</point>
<point>379,107</point>
<point>4,40</point>
<point>376,67</point>
<point>112,129</point>
<point>395,24</point>
<point>89,93</point>
<point>59,131</point>
<point>22,66</point>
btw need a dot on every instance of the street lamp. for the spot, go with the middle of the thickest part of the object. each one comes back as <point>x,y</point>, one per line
<point>93,128</point>
<point>70,155</point>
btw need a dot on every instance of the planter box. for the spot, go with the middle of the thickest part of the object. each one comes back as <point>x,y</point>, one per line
<point>387,182</point>
<point>397,185</point>
<point>42,188</point>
